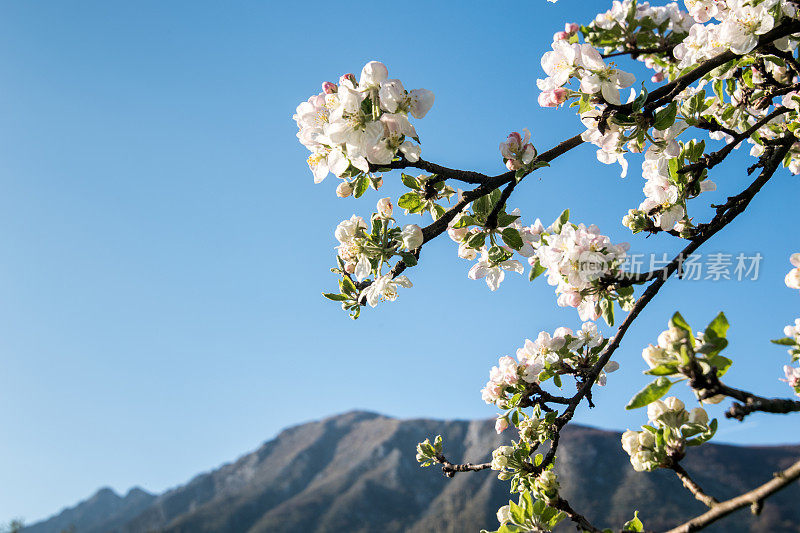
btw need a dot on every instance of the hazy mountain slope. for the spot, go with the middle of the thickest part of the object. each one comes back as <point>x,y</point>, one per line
<point>104,511</point>
<point>357,473</point>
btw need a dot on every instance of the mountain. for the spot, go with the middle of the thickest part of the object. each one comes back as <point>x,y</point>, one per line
<point>357,472</point>
<point>105,511</point>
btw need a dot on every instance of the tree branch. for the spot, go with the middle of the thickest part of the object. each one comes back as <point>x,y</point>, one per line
<point>710,385</point>
<point>711,160</point>
<point>450,469</point>
<point>580,521</point>
<point>754,497</point>
<point>692,486</point>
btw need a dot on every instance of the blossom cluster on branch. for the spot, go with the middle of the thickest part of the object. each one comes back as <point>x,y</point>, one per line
<point>350,125</point>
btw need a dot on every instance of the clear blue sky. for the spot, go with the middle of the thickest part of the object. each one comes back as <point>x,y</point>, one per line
<point>163,246</point>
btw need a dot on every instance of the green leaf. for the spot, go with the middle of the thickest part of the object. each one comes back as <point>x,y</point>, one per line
<point>517,512</point>
<point>666,117</point>
<point>635,524</point>
<point>477,240</point>
<point>335,297</point>
<point>512,238</point>
<point>679,322</point>
<point>409,259</point>
<point>498,254</point>
<point>481,205</point>
<point>652,392</point>
<point>464,221</point>
<point>348,285</point>
<point>536,270</point>
<point>607,311</point>
<point>409,200</point>
<point>362,184</point>
<point>786,341</point>
<point>722,363</point>
<point>560,221</point>
<point>667,369</point>
<point>409,181</point>
<point>504,219</point>
<point>718,326</point>
<point>638,103</point>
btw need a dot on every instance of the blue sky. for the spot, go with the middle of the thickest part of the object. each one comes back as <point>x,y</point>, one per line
<point>163,246</point>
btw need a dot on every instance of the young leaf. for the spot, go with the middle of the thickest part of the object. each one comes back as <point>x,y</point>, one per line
<point>666,117</point>
<point>362,184</point>
<point>718,326</point>
<point>409,200</point>
<point>536,270</point>
<point>512,238</point>
<point>635,524</point>
<point>652,392</point>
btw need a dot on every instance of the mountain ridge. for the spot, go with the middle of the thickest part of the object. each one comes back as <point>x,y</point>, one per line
<point>357,472</point>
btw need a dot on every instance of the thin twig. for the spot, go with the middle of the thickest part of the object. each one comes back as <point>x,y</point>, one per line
<point>692,486</point>
<point>450,469</point>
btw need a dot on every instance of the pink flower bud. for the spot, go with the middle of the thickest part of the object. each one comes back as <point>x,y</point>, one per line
<point>329,87</point>
<point>350,268</point>
<point>571,27</point>
<point>500,425</point>
<point>553,97</point>
<point>513,164</point>
<point>658,77</point>
<point>349,77</point>
<point>560,36</point>
<point>344,190</point>
<point>385,207</point>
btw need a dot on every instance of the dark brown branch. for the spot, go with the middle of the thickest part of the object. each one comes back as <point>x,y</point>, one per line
<point>710,385</point>
<point>439,226</point>
<point>535,395</point>
<point>491,220</point>
<point>711,160</point>
<point>580,521</point>
<point>754,497</point>
<point>692,486</point>
<point>450,469</point>
<point>467,176</point>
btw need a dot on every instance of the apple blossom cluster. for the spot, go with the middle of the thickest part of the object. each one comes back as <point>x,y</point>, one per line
<point>564,352</point>
<point>664,440</point>
<point>654,29</point>
<point>677,349</point>
<point>577,260</point>
<point>352,125</point>
<point>568,60</point>
<point>364,251</point>
<point>671,42</point>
